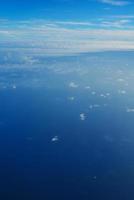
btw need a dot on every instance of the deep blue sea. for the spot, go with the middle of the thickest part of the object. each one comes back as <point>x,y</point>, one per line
<point>67,128</point>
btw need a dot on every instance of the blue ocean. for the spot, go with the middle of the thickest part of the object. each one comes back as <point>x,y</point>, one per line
<point>67,127</point>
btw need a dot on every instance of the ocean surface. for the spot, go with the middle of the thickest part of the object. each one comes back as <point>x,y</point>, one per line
<point>67,128</point>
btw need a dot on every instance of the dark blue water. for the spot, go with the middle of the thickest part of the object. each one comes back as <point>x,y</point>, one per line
<point>92,159</point>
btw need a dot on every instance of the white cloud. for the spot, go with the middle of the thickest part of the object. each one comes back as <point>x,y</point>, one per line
<point>55,139</point>
<point>75,23</point>
<point>103,95</point>
<point>117,23</point>
<point>122,91</point>
<point>82,116</point>
<point>94,106</point>
<point>14,87</point>
<point>122,16</point>
<point>115,2</point>
<point>120,80</point>
<point>71,98</point>
<point>130,110</point>
<point>73,85</point>
<point>87,87</point>
<point>93,93</point>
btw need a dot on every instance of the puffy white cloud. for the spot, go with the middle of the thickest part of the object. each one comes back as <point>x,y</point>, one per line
<point>55,139</point>
<point>73,85</point>
<point>82,116</point>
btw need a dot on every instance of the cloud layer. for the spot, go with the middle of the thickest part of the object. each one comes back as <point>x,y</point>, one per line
<point>65,37</point>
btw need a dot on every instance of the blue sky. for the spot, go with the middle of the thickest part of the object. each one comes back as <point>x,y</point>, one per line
<point>68,26</point>
<point>64,9</point>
